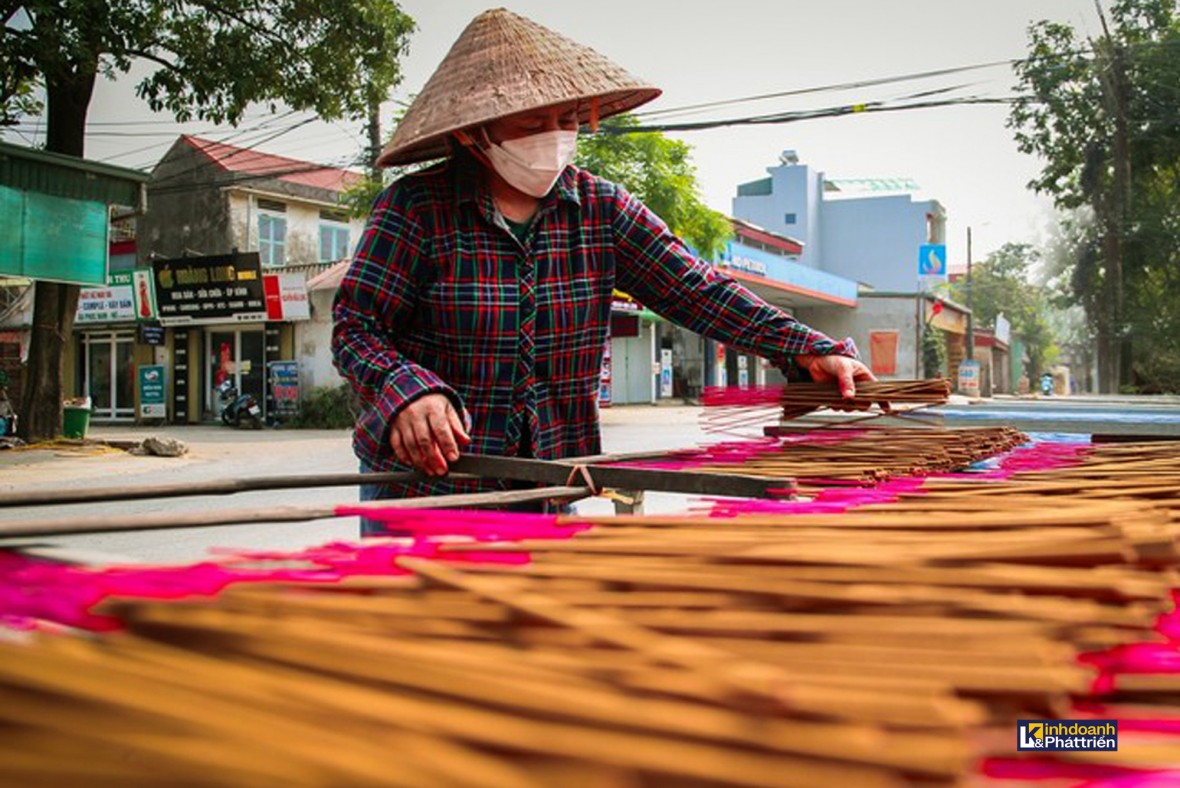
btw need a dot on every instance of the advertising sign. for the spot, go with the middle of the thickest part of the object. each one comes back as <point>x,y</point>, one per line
<point>932,260</point>
<point>283,377</point>
<point>286,297</point>
<point>110,304</point>
<point>604,383</point>
<point>143,291</point>
<point>213,289</point>
<point>665,372</point>
<point>1003,329</point>
<point>152,404</point>
<point>969,378</point>
<point>57,239</point>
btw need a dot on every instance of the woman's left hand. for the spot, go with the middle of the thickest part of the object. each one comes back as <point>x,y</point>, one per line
<point>844,370</point>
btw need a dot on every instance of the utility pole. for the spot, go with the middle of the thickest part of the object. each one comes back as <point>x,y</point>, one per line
<point>1114,206</point>
<point>373,130</point>
<point>970,355</point>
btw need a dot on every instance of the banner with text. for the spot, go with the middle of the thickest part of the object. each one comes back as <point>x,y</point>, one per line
<point>214,289</point>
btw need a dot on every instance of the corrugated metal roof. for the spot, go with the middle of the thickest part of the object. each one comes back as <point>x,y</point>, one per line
<point>30,170</point>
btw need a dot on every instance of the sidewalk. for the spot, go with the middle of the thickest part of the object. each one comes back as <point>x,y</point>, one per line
<point>216,451</point>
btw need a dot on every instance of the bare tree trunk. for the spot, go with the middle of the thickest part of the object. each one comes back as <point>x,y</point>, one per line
<point>1107,364</point>
<point>54,307</point>
<point>67,100</point>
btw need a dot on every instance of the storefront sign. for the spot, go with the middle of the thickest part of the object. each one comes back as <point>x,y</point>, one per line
<point>286,297</point>
<point>621,302</point>
<point>150,335</point>
<point>739,262</point>
<point>283,377</point>
<point>110,304</point>
<point>152,404</point>
<point>180,376</point>
<point>215,289</point>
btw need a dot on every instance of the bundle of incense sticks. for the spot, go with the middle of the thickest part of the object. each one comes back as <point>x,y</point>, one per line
<point>894,645</point>
<point>1147,470</point>
<point>849,455</point>
<point>730,409</point>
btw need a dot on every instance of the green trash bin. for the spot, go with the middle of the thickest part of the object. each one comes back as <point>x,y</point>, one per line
<point>75,421</point>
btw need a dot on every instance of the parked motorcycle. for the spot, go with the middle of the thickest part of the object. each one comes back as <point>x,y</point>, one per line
<point>1047,384</point>
<point>238,410</point>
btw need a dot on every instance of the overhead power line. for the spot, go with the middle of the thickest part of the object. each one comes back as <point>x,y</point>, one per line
<point>813,114</point>
<point>863,83</point>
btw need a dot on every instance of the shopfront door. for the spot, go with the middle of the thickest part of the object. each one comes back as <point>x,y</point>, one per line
<point>108,374</point>
<point>237,354</point>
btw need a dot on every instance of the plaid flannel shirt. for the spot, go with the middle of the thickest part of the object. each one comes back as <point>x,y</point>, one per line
<point>442,298</point>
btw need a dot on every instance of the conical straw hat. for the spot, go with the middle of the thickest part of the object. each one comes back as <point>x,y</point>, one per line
<point>503,64</point>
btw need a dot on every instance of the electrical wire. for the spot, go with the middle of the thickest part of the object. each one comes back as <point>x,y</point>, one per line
<point>836,87</point>
<point>800,115</point>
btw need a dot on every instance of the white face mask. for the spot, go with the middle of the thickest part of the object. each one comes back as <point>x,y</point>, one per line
<point>534,163</point>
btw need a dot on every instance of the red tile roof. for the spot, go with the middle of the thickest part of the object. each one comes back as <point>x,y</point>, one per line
<point>252,162</point>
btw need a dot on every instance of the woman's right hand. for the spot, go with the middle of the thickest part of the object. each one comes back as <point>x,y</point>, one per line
<point>428,434</point>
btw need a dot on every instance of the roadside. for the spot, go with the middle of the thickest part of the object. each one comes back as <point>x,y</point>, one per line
<point>218,452</point>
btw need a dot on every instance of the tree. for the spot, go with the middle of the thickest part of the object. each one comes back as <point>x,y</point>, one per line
<point>1001,285</point>
<point>214,59</point>
<point>1102,114</point>
<point>659,172</point>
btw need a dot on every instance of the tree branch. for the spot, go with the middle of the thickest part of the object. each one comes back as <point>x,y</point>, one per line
<point>156,59</point>
<point>217,10</point>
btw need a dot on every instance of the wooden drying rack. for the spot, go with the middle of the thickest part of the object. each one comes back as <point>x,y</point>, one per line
<point>565,480</point>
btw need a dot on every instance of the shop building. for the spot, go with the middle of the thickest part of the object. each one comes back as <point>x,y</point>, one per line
<point>63,225</point>
<point>879,233</point>
<point>213,286</point>
<point>651,359</point>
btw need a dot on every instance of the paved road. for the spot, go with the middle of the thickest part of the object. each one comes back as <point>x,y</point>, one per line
<point>221,453</point>
<point>217,452</point>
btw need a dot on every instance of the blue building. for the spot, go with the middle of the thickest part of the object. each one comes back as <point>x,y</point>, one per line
<point>650,359</point>
<point>869,231</point>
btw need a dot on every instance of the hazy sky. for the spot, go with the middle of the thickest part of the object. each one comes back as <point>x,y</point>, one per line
<point>715,51</point>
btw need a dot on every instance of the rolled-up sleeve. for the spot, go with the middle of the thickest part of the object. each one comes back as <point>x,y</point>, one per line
<point>377,298</point>
<point>660,271</point>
